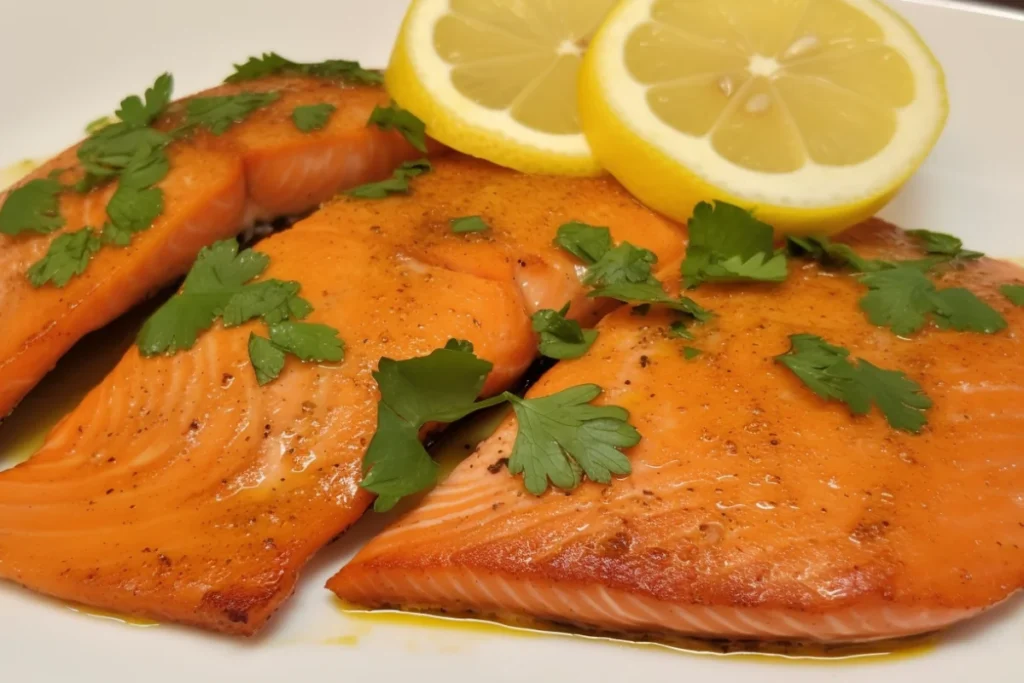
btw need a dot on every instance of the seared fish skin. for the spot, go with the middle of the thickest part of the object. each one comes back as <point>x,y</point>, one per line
<point>182,491</point>
<point>755,509</point>
<point>260,168</point>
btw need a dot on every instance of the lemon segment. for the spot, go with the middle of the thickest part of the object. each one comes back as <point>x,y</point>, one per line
<point>812,112</point>
<point>497,79</point>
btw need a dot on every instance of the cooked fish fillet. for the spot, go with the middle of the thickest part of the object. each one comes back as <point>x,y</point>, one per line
<point>181,490</point>
<point>260,168</point>
<point>755,509</point>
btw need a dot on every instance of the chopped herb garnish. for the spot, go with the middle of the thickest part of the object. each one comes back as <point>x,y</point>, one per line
<point>562,436</point>
<point>99,124</point>
<point>830,253</point>
<point>130,211</point>
<point>561,338</point>
<point>624,264</point>
<point>271,63</point>
<point>218,286</point>
<point>35,207</point>
<point>441,387</point>
<point>1015,293</point>
<point>217,114</point>
<point>680,330</point>
<point>398,183</point>
<point>405,122</point>
<point>308,341</point>
<point>266,357</point>
<point>138,113</point>
<point>904,298</point>
<point>219,273</point>
<point>941,244</point>
<point>828,371</point>
<point>586,242</point>
<point>468,224</point>
<point>67,257</point>
<point>312,117</point>
<point>690,353</point>
<point>727,244</point>
<point>652,293</point>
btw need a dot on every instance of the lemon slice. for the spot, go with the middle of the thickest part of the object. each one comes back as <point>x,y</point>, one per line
<point>812,112</point>
<point>497,79</point>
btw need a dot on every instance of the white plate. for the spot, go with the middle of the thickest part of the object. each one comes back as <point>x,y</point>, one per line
<point>66,65</point>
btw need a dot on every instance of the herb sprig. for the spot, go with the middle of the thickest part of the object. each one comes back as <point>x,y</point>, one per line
<point>728,244</point>
<point>271,63</point>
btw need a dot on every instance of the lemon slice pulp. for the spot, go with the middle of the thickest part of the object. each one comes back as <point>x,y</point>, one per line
<point>498,78</point>
<point>813,112</point>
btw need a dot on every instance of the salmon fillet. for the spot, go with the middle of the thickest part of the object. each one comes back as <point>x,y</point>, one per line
<point>755,509</point>
<point>180,490</point>
<point>259,169</point>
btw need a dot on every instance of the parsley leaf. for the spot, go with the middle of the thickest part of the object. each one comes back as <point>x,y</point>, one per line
<point>679,330</point>
<point>561,437</point>
<point>67,257</point>
<point>904,298</point>
<point>586,242</point>
<point>440,387</point>
<point>270,63</point>
<point>405,122</point>
<point>273,300</point>
<point>109,151</point>
<point>217,114</point>
<point>727,244</point>
<point>312,117</point>
<point>218,274</point>
<point>561,338</point>
<point>1015,293</point>
<point>830,253</point>
<point>625,264</point>
<point>308,341</point>
<point>137,114</point>
<point>35,206</point>
<point>398,183</point>
<point>691,353</point>
<point>468,224</point>
<point>266,357</point>
<point>828,372</point>
<point>941,244</point>
<point>130,211</point>
<point>652,293</point>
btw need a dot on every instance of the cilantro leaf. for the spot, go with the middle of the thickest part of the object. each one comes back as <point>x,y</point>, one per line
<point>830,253</point>
<point>266,357</point>
<point>111,150</point>
<point>586,242</point>
<point>561,437</point>
<point>138,114</point>
<point>217,114</point>
<point>903,299</point>
<point>625,264</point>
<point>727,244</point>
<point>468,224</point>
<point>271,63</point>
<point>398,183</point>
<point>962,310</point>
<point>219,273</point>
<point>691,353</point>
<point>67,257</point>
<point>273,300</point>
<point>561,338</point>
<point>440,387</point>
<point>312,117</point>
<point>941,244</point>
<point>35,206</point>
<point>132,210</point>
<point>1015,293</point>
<point>828,371</point>
<point>147,167</point>
<point>652,293</point>
<point>405,122</point>
<point>308,341</point>
<point>679,330</point>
